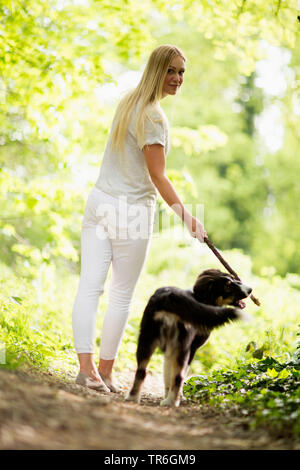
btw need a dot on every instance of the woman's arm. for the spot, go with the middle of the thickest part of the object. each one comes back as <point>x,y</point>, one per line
<point>156,162</point>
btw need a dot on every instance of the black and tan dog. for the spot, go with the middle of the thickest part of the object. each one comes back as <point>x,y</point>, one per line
<point>180,321</point>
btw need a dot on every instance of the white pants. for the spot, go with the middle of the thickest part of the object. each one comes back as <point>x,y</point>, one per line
<point>105,240</point>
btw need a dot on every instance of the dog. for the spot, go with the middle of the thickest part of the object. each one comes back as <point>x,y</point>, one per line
<point>180,321</point>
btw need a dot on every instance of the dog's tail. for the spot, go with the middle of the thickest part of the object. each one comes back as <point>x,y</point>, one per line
<point>183,305</point>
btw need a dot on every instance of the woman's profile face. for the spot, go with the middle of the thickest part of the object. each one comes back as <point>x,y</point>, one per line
<point>174,77</point>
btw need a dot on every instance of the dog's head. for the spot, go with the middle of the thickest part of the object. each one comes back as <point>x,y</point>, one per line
<point>216,288</point>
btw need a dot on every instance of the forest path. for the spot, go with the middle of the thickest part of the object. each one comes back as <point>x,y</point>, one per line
<point>44,411</point>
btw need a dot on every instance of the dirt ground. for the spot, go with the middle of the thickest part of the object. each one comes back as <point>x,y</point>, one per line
<point>44,411</point>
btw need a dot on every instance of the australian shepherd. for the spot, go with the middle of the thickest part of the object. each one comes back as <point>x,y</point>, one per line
<point>180,321</point>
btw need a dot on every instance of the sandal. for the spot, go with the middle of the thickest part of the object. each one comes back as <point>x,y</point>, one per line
<point>113,388</point>
<point>85,381</point>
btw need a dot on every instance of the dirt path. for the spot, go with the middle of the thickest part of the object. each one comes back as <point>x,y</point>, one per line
<point>43,411</point>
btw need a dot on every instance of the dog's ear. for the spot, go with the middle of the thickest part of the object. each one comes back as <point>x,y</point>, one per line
<point>207,283</point>
<point>203,288</point>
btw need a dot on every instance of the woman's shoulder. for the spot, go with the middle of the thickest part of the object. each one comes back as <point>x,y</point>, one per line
<point>155,113</point>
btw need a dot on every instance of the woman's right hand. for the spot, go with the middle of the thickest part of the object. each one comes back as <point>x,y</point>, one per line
<point>195,227</point>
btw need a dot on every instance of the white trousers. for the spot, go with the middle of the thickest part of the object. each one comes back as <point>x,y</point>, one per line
<point>111,234</point>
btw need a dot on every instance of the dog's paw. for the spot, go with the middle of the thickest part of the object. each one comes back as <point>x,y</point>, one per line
<point>133,398</point>
<point>169,402</point>
<point>243,315</point>
<point>165,402</point>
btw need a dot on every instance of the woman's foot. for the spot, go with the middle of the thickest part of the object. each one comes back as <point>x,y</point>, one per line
<point>93,382</point>
<point>89,375</point>
<point>109,383</point>
<point>105,371</point>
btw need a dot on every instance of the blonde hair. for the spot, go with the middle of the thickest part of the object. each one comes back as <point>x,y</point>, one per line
<point>148,91</point>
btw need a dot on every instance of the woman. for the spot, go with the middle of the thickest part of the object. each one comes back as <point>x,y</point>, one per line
<point>132,170</point>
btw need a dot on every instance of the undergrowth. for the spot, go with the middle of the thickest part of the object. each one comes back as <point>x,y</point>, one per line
<point>265,390</point>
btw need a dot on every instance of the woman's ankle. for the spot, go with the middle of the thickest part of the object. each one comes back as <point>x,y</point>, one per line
<point>105,368</point>
<point>87,364</point>
<point>106,378</point>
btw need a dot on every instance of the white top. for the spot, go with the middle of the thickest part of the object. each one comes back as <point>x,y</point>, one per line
<point>127,174</point>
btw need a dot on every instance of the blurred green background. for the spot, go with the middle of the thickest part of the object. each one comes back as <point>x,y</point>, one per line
<point>235,130</point>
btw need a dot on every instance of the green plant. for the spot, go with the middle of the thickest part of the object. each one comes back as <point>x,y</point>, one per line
<point>265,390</point>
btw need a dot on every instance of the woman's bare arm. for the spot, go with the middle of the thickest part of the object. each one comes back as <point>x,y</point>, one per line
<point>156,163</point>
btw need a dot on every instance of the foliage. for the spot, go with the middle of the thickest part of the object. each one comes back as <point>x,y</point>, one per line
<point>248,192</point>
<point>35,331</point>
<point>59,61</point>
<point>53,58</point>
<point>47,302</point>
<point>56,60</point>
<point>36,328</point>
<point>279,213</point>
<point>266,390</point>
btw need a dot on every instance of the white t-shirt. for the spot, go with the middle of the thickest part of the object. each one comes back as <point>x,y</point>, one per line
<point>127,174</point>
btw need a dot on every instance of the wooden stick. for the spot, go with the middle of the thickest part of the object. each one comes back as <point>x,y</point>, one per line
<point>229,268</point>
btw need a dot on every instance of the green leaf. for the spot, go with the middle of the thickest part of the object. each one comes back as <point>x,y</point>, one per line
<point>17,300</point>
<point>284,374</point>
<point>272,373</point>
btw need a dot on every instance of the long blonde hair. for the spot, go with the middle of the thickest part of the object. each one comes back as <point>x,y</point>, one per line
<point>148,91</point>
